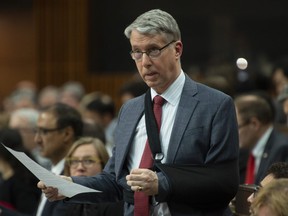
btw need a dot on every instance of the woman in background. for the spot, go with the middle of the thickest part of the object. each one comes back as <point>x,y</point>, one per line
<point>87,157</point>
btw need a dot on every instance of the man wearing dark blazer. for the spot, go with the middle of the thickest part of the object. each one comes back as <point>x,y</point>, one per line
<point>58,126</point>
<point>198,173</point>
<point>258,136</point>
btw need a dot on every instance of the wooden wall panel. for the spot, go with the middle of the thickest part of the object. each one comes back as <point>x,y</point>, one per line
<point>62,43</point>
<point>17,52</point>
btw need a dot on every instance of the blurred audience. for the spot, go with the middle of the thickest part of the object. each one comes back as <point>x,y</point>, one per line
<point>92,129</point>
<point>261,144</point>
<point>71,93</point>
<point>131,89</point>
<point>101,110</point>
<point>87,157</point>
<point>276,171</point>
<point>18,191</point>
<point>48,96</point>
<point>58,127</point>
<point>271,200</point>
<point>24,120</point>
<point>23,95</point>
<point>19,98</point>
<point>279,78</point>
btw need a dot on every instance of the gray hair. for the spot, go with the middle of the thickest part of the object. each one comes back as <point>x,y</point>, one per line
<point>30,114</point>
<point>155,22</point>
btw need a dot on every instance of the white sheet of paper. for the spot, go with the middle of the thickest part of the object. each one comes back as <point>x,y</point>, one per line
<point>65,187</point>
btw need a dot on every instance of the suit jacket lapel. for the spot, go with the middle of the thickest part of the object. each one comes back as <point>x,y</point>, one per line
<point>187,105</point>
<point>264,163</point>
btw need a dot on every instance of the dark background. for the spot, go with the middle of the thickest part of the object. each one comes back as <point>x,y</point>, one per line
<point>212,31</point>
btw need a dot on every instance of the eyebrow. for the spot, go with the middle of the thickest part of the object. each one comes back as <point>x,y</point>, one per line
<point>86,156</point>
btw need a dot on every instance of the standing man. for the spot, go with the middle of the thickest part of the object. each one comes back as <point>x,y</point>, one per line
<point>58,126</point>
<point>198,135</point>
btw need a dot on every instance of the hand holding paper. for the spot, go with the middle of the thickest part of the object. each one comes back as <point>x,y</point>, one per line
<point>66,188</point>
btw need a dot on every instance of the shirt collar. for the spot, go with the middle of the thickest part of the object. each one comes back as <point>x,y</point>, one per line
<point>260,146</point>
<point>58,168</point>
<point>172,94</point>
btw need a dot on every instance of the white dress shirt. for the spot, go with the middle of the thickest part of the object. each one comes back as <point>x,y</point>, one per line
<point>169,109</point>
<point>258,150</point>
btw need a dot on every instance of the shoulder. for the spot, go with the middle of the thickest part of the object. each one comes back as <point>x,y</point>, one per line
<point>204,93</point>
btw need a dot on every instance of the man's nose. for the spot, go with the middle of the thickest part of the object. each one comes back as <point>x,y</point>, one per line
<point>145,60</point>
<point>250,198</point>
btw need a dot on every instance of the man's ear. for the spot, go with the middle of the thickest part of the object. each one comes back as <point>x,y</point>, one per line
<point>179,49</point>
<point>68,133</point>
<point>255,123</point>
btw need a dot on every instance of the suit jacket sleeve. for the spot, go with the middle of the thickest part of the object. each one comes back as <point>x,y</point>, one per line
<point>204,170</point>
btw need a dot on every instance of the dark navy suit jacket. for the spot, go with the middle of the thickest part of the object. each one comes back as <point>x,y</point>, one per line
<point>276,150</point>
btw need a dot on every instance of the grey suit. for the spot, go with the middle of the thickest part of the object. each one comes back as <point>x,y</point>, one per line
<point>204,133</point>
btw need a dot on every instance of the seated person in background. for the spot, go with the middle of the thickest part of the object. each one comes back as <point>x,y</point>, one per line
<point>258,137</point>
<point>17,189</point>
<point>272,199</point>
<point>101,111</point>
<point>71,93</point>
<point>279,78</point>
<point>48,96</point>
<point>24,120</point>
<point>275,171</point>
<point>132,89</point>
<point>283,100</point>
<point>58,127</point>
<point>92,129</point>
<point>87,157</point>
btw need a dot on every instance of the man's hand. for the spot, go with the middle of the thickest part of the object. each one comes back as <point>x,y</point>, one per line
<point>51,193</point>
<point>143,180</point>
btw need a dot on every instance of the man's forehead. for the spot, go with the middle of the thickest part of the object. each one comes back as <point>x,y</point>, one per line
<point>47,117</point>
<point>267,180</point>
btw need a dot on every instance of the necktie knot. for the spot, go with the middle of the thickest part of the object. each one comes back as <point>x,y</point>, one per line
<point>158,100</point>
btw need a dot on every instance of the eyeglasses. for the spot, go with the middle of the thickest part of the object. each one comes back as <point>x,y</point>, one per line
<point>86,162</point>
<point>256,190</point>
<point>44,131</point>
<point>243,125</point>
<point>152,53</point>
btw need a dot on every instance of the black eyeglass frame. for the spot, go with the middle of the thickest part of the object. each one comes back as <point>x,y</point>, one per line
<point>149,52</point>
<point>244,124</point>
<point>256,189</point>
<point>44,131</point>
<point>86,162</point>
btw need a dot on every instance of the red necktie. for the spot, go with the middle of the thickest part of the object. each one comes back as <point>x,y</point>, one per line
<point>141,201</point>
<point>250,170</point>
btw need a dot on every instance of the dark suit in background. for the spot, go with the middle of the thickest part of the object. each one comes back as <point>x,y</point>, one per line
<point>257,134</point>
<point>276,150</point>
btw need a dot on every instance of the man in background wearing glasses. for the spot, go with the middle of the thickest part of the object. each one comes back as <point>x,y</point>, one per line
<point>276,171</point>
<point>58,126</point>
<point>260,141</point>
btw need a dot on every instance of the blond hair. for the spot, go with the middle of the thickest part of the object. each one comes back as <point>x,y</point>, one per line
<point>98,145</point>
<point>273,196</point>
